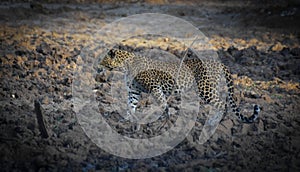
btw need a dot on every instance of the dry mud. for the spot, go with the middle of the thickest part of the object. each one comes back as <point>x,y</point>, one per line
<point>40,44</point>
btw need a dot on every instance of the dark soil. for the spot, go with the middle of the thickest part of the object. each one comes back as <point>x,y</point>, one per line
<point>40,44</point>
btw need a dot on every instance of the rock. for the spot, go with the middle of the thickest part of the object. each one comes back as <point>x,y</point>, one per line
<point>296,52</point>
<point>235,52</point>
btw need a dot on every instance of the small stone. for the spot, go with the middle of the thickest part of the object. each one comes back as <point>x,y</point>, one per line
<point>267,98</point>
<point>45,100</point>
<point>277,47</point>
<point>246,128</point>
<point>251,94</point>
<point>260,127</point>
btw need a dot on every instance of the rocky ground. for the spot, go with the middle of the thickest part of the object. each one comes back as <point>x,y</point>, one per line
<point>40,44</point>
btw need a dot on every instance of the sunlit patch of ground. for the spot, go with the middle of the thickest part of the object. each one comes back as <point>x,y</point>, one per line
<point>286,86</point>
<point>268,42</point>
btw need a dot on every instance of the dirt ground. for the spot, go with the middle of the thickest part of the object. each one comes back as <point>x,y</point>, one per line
<point>40,44</point>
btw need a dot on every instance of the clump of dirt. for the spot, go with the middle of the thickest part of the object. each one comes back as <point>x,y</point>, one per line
<point>40,48</point>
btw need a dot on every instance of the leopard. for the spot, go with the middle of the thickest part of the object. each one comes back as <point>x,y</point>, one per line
<point>161,79</point>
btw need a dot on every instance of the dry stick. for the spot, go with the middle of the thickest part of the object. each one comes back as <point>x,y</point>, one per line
<point>40,119</point>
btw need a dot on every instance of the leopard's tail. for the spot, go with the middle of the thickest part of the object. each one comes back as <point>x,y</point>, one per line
<point>233,105</point>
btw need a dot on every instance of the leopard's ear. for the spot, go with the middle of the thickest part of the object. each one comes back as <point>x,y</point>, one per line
<point>111,53</point>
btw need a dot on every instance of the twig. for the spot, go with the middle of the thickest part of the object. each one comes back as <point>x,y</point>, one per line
<point>40,119</point>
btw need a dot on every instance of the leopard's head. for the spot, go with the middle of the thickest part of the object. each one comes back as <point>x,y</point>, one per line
<point>116,58</point>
